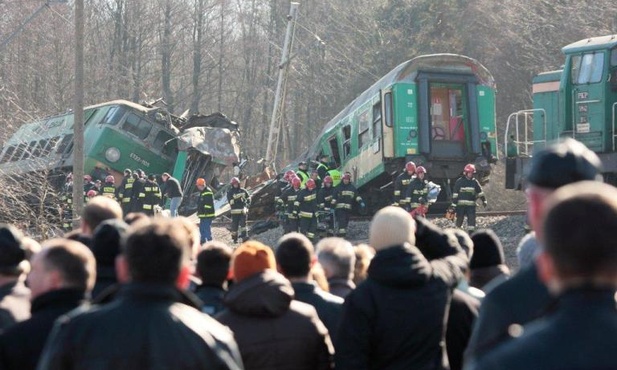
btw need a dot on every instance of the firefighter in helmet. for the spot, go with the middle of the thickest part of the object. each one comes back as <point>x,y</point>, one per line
<point>417,192</point>
<point>150,195</point>
<point>124,192</point>
<point>205,210</point>
<point>109,188</point>
<point>239,201</point>
<point>324,203</point>
<point>344,197</point>
<point>305,206</point>
<point>288,198</point>
<point>466,191</point>
<point>401,183</point>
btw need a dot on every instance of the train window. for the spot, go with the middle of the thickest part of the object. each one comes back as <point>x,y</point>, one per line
<point>39,148</point>
<point>165,141</point>
<point>387,103</point>
<point>30,150</point>
<point>614,57</point>
<point>7,154</point>
<point>114,115</point>
<point>364,122</point>
<point>336,156</point>
<point>588,68</point>
<point>19,152</point>
<point>51,145</point>
<point>137,126</point>
<point>66,141</point>
<point>377,120</point>
<point>347,141</point>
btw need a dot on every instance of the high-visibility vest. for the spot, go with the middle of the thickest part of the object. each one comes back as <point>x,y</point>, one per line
<point>336,176</point>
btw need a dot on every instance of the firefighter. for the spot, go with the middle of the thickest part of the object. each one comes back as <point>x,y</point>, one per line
<point>288,198</point>
<point>66,204</point>
<point>305,207</point>
<point>205,210</point>
<point>323,166</point>
<point>88,185</point>
<point>124,192</point>
<point>150,196</point>
<point>315,177</point>
<point>91,194</point>
<point>335,174</point>
<point>466,191</point>
<point>343,199</point>
<point>239,201</point>
<point>417,192</point>
<point>109,189</point>
<point>401,183</point>
<point>283,184</point>
<point>302,173</point>
<point>324,202</point>
<point>138,186</point>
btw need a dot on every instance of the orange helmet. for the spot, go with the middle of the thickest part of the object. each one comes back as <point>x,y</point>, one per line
<point>327,180</point>
<point>296,182</point>
<point>410,167</point>
<point>346,176</point>
<point>200,182</point>
<point>310,184</point>
<point>470,168</point>
<point>91,193</point>
<point>110,179</point>
<point>420,170</point>
<point>235,181</point>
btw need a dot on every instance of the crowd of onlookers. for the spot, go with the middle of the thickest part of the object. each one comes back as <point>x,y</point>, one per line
<point>139,292</point>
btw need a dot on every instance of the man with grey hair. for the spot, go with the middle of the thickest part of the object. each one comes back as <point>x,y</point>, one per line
<point>338,259</point>
<point>523,298</point>
<point>395,318</point>
<point>579,266</point>
<point>62,276</point>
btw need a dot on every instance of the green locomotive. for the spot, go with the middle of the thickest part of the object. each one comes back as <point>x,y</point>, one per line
<point>578,101</point>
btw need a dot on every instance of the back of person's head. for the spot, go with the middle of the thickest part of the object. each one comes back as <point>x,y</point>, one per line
<point>337,257</point>
<point>12,251</point>
<point>73,261</point>
<point>134,217</point>
<point>295,255</point>
<point>364,254</point>
<point>106,241</point>
<point>252,258</point>
<point>213,263</point>
<point>97,210</point>
<point>156,252</point>
<point>579,232</point>
<point>390,227</point>
<point>488,250</point>
<point>463,239</point>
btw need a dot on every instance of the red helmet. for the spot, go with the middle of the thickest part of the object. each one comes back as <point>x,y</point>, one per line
<point>327,180</point>
<point>310,184</point>
<point>200,182</point>
<point>91,193</point>
<point>296,182</point>
<point>346,176</point>
<point>470,168</point>
<point>235,181</point>
<point>87,178</point>
<point>110,179</point>
<point>410,167</point>
<point>288,175</point>
<point>420,170</point>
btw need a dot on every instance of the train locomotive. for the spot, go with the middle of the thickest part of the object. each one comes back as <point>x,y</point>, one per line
<point>435,110</point>
<point>577,101</point>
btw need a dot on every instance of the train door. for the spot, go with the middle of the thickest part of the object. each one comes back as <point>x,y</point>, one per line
<point>448,117</point>
<point>387,132</point>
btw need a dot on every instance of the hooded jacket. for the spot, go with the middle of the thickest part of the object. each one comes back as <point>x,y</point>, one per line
<point>273,331</point>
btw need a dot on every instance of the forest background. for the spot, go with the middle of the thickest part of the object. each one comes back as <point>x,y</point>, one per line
<point>222,55</point>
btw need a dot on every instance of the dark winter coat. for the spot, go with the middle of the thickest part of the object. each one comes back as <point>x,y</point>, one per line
<point>21,345</point>
<point>580,334</point>
<point>145,326</point>
<point>172,188</point>
<point>463,312</point>
<point>328,305</point>
<point>396,318</point>
<point>273,331</point>
<point>519,300</point>
<point>14,303</point>
<point>212,298</point>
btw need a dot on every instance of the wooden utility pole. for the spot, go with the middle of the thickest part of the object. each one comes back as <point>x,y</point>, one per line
<point>277,112</point>
<point>78,123</point>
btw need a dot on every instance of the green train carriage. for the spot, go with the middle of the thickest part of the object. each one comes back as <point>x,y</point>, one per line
<point>578,101</point>
<point>436,110</point>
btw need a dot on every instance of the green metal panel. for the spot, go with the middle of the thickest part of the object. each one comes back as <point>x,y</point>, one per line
<point>486,115</point>
<point>405,107</point>
<point>180,164</point>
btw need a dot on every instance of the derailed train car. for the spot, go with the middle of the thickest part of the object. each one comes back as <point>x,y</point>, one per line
<point>121,134</point>
<point>436,110</point>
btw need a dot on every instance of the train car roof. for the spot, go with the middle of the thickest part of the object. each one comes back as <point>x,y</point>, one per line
<point>593,43</point>
<point>407,72</point>
<point>123,102</point>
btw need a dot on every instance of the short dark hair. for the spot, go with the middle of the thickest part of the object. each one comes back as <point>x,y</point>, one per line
<point>73,260</point>
<point>294,253</point>
<point>213,263</point>
<point>99,209</point>
<point>156,251</point>
<point>579,229</point>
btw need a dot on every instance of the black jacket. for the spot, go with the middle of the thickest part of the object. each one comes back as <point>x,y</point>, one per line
<point>172,188</point>
<point>328,305</point>
<point>21,345</point>
<point>580,334</point>
<point>463,312</point>
<point>212,298</point>
<point>396,318</point>
<point>145,326</point>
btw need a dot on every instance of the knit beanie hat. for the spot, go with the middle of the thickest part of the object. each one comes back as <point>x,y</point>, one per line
<point>12,251</point>
<point>106,241</point>
<point>390,227</point>
<point>250,258</point>
<point>487,250</point>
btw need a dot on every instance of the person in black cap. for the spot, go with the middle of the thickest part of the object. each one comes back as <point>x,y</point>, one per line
<point>487,264</point>
<point>524,298</point>
<point>14,295</point>
<point>106,247</point>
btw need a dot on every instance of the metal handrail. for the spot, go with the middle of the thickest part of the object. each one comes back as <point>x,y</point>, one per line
<point>613,113</point>
<point>527,143</point>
